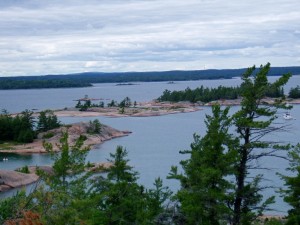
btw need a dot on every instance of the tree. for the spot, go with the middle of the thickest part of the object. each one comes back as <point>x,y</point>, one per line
<point>59,202</point>
<point>292,192</point>
<point>47,121</point>
<point>252,123</point>
<point>113,103</point>
<point>19,128</point>
<point>126,102</point>
<point>294,92</point>
<point>204,193</point>
<point>119,199</point>
<point>23,126</point>
<point>94,127</point>
<point>12,207</point>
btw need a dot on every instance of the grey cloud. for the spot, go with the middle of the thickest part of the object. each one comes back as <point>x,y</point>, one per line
<point>65,36</point>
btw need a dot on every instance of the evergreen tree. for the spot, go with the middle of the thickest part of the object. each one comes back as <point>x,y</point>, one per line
<point>292,192</point>
<point>204,192</point>
<point>47,121</point>
<point>252,122</point>
<point>294,92</point>
<point>119,199</point>
<point>60,201</point>
<point>94,127</point>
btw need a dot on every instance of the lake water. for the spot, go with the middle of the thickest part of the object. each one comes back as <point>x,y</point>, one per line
<point>155,142</point>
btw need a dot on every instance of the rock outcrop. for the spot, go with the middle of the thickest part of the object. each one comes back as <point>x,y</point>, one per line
<point>12,179</point>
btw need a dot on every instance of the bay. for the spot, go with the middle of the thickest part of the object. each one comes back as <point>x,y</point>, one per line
<point>155,142</point>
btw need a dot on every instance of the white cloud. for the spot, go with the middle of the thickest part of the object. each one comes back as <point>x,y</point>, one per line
<point>53,37</point>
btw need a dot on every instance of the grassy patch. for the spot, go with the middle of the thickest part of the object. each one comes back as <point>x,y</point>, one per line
<point>48,135</point>
<point>24,169</point>
<point>7,145</point>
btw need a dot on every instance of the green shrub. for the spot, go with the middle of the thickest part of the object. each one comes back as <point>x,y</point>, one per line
<point>48,135</point>
<point>23,169</point>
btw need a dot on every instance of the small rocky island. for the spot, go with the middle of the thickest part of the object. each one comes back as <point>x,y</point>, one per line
<point>142,109</point>
<point>74,130</point>
<point>12,179</point>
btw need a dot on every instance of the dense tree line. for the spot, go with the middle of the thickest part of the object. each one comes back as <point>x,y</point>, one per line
<point>9,83</point>
<point>86,79</point>
<point>205,95</point>
<point>23,127</point>
<point>216,187</point>
<point>47,121</point>
<point>19,128</point>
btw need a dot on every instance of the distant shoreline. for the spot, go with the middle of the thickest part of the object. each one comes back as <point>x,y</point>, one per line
<point>88,78</point>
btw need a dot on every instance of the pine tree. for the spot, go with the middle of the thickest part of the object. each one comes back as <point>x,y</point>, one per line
<point>47,121</point>
<point>59,202</point>
<point>204,192</point>
<point>252,123</point>
<point>292,191</point>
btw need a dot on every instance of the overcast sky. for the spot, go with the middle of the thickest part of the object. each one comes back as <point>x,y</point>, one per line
<point>39,37</point>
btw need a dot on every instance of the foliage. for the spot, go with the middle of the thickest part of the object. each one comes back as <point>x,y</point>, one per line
<point>94,127</point>
<point>58,203</point>
<point>204,193</point>
<point>201,94</point>
<point>48,135</point>
<point>121,200</point>
<point>47,121</point>
<point>19,128</point>
<point>12,207</point>
<point>252,122</point>
<point>113,103</point>
<point>294,92</point>
<point>292,192</point>
<point>83,107</point>
<point>273,221</point>
<point>15,83</point>
<point>24,169</point>
<point>28,217</point>
<point>205,95</point>
<point>126,102</point>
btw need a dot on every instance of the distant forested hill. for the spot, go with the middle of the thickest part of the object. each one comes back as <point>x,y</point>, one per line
<point>86,79</point>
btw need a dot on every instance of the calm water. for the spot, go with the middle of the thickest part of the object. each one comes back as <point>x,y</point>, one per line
<point>155,142</point>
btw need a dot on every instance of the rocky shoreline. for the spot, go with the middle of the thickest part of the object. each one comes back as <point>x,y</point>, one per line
<point>12,179</point>
<point>144,109</point>
<point>74,132</point>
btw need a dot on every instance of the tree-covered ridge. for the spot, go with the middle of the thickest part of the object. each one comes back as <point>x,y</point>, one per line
<point>9,83</point>
<point>86,79</point>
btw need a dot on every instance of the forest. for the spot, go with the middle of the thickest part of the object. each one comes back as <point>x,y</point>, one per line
<point>88,78</point>
<point>71,195</point>
<point>205,95</point>
<point>23,127</point>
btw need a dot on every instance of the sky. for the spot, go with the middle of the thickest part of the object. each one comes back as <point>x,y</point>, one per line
<point>40,37</point>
